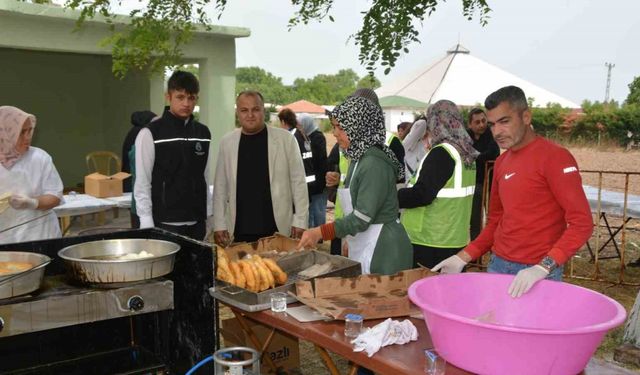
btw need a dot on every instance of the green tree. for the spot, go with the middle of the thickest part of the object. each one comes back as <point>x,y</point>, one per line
<point>270,86</point>
<point>326,88</point>
<point>368,82</point>
<point>634,92</point>
<point>157,31</point>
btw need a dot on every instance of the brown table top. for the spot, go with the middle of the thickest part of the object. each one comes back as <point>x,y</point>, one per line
<point>394,359</point>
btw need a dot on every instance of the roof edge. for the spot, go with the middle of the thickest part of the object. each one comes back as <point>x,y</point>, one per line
<point>68,15</point>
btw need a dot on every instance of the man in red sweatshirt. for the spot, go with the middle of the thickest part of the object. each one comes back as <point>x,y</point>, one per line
<point>538,213</point>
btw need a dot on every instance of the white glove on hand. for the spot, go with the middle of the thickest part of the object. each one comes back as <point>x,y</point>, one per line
<point>525,279</point>
<point>453,264</point>
<point>146,222</point>
<point>21,202</point>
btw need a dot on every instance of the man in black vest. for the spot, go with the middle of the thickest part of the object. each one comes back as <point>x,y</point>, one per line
<point>172,154</point>
<point>483,142</point>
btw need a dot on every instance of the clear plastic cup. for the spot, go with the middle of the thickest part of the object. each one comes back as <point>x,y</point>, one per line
<point>352,325</point>
<point>435,364</point>
<point>278,302</point>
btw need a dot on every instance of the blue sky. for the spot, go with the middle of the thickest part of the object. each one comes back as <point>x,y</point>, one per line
<point>561,45</point>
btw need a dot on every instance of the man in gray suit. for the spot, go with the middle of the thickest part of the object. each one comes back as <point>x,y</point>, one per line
<point>259,185</point>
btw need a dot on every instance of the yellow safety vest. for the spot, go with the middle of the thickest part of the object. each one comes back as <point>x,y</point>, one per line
<point>444,222</point>
<point>343,164</point>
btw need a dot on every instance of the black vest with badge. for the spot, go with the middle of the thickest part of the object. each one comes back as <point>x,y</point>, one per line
<point>305,152</point>
<point>178,186</point>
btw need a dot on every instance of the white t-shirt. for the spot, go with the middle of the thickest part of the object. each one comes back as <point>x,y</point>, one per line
<point>32,175</point>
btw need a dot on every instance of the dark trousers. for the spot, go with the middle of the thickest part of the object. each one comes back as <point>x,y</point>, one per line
<point>430,256</point>
<point>196,231</point>
<point>476,213</point>
<point>336,246</point>
<point>135,220</point>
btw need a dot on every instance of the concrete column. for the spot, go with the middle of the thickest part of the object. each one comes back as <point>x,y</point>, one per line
<point>157,90</point>
<point>217,94</point>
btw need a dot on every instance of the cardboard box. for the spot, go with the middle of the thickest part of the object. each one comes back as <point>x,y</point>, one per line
<point>101,186</point>
<point>372,296</point>
<point>283,350</point>
<point>277,242</point>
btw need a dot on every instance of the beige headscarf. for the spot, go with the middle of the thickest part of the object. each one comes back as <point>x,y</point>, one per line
<point>11,121</point>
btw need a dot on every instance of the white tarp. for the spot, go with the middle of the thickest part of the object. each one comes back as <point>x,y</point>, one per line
<point>466,80</point>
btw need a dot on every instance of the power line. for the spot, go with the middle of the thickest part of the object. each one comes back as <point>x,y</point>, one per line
<point>606,93</point>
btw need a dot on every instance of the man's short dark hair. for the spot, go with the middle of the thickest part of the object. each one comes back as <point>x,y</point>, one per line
<point>404,125</point>
<point>181,80</point>
<point>288,117</point>
<point>511,94</point>
<point>474,111</point>
<point>254,93</point>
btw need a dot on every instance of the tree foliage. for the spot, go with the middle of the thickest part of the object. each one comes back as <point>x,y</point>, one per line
<point>619,124</point>
<point>327,88</point>
<point>270,86</point>
<point>634,91</point>
<point>368,82</point>
<point>157,31</point>
<point>321,89</point>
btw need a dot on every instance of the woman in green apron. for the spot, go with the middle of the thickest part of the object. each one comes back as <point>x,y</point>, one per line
<point>369,201</point>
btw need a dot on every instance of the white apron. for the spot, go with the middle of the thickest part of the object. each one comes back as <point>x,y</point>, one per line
<point>45,223</point>
<point>362,245</point>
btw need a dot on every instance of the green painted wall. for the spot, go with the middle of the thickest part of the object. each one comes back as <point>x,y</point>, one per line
<point>64,78</point>
<point>79,105</point>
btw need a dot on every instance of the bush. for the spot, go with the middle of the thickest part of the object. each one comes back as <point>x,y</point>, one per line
<point>597,121</point>
<point>325,125</point>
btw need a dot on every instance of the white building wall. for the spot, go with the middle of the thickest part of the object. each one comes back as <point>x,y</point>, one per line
<point>392,117</point>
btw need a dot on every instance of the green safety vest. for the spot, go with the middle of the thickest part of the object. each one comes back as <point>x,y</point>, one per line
<point>444,222</point>
<point>389,138</point>
<point>343,165</point>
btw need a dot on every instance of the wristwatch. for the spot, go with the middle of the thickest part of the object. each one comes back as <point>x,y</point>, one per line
<point>548,263</point>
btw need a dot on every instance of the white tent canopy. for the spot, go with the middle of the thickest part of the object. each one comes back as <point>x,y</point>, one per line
<point>466,80</point>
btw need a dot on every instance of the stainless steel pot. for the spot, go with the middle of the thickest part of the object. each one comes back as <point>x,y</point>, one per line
<point>97,262</point>
<point>23,282</point>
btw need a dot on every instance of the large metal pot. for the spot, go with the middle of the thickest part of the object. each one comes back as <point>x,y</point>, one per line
<point>97,262</point>
<point>23,282</point>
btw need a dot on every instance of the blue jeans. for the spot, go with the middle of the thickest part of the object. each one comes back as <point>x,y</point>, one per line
<point>501,265</point>
<point>318,210</point>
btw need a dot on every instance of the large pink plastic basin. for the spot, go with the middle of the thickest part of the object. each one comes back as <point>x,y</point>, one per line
<point>553,329</point>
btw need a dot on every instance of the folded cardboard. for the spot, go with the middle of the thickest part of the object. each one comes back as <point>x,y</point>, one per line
<point>101,186</point>
<point>276,243</point>
<point>372,296</point>
<point>283,349</point>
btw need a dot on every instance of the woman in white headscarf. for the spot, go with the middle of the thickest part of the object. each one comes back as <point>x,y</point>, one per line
<point>30,185</point>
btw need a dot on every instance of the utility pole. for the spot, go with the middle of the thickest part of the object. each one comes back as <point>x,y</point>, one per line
<point>606,93</point>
